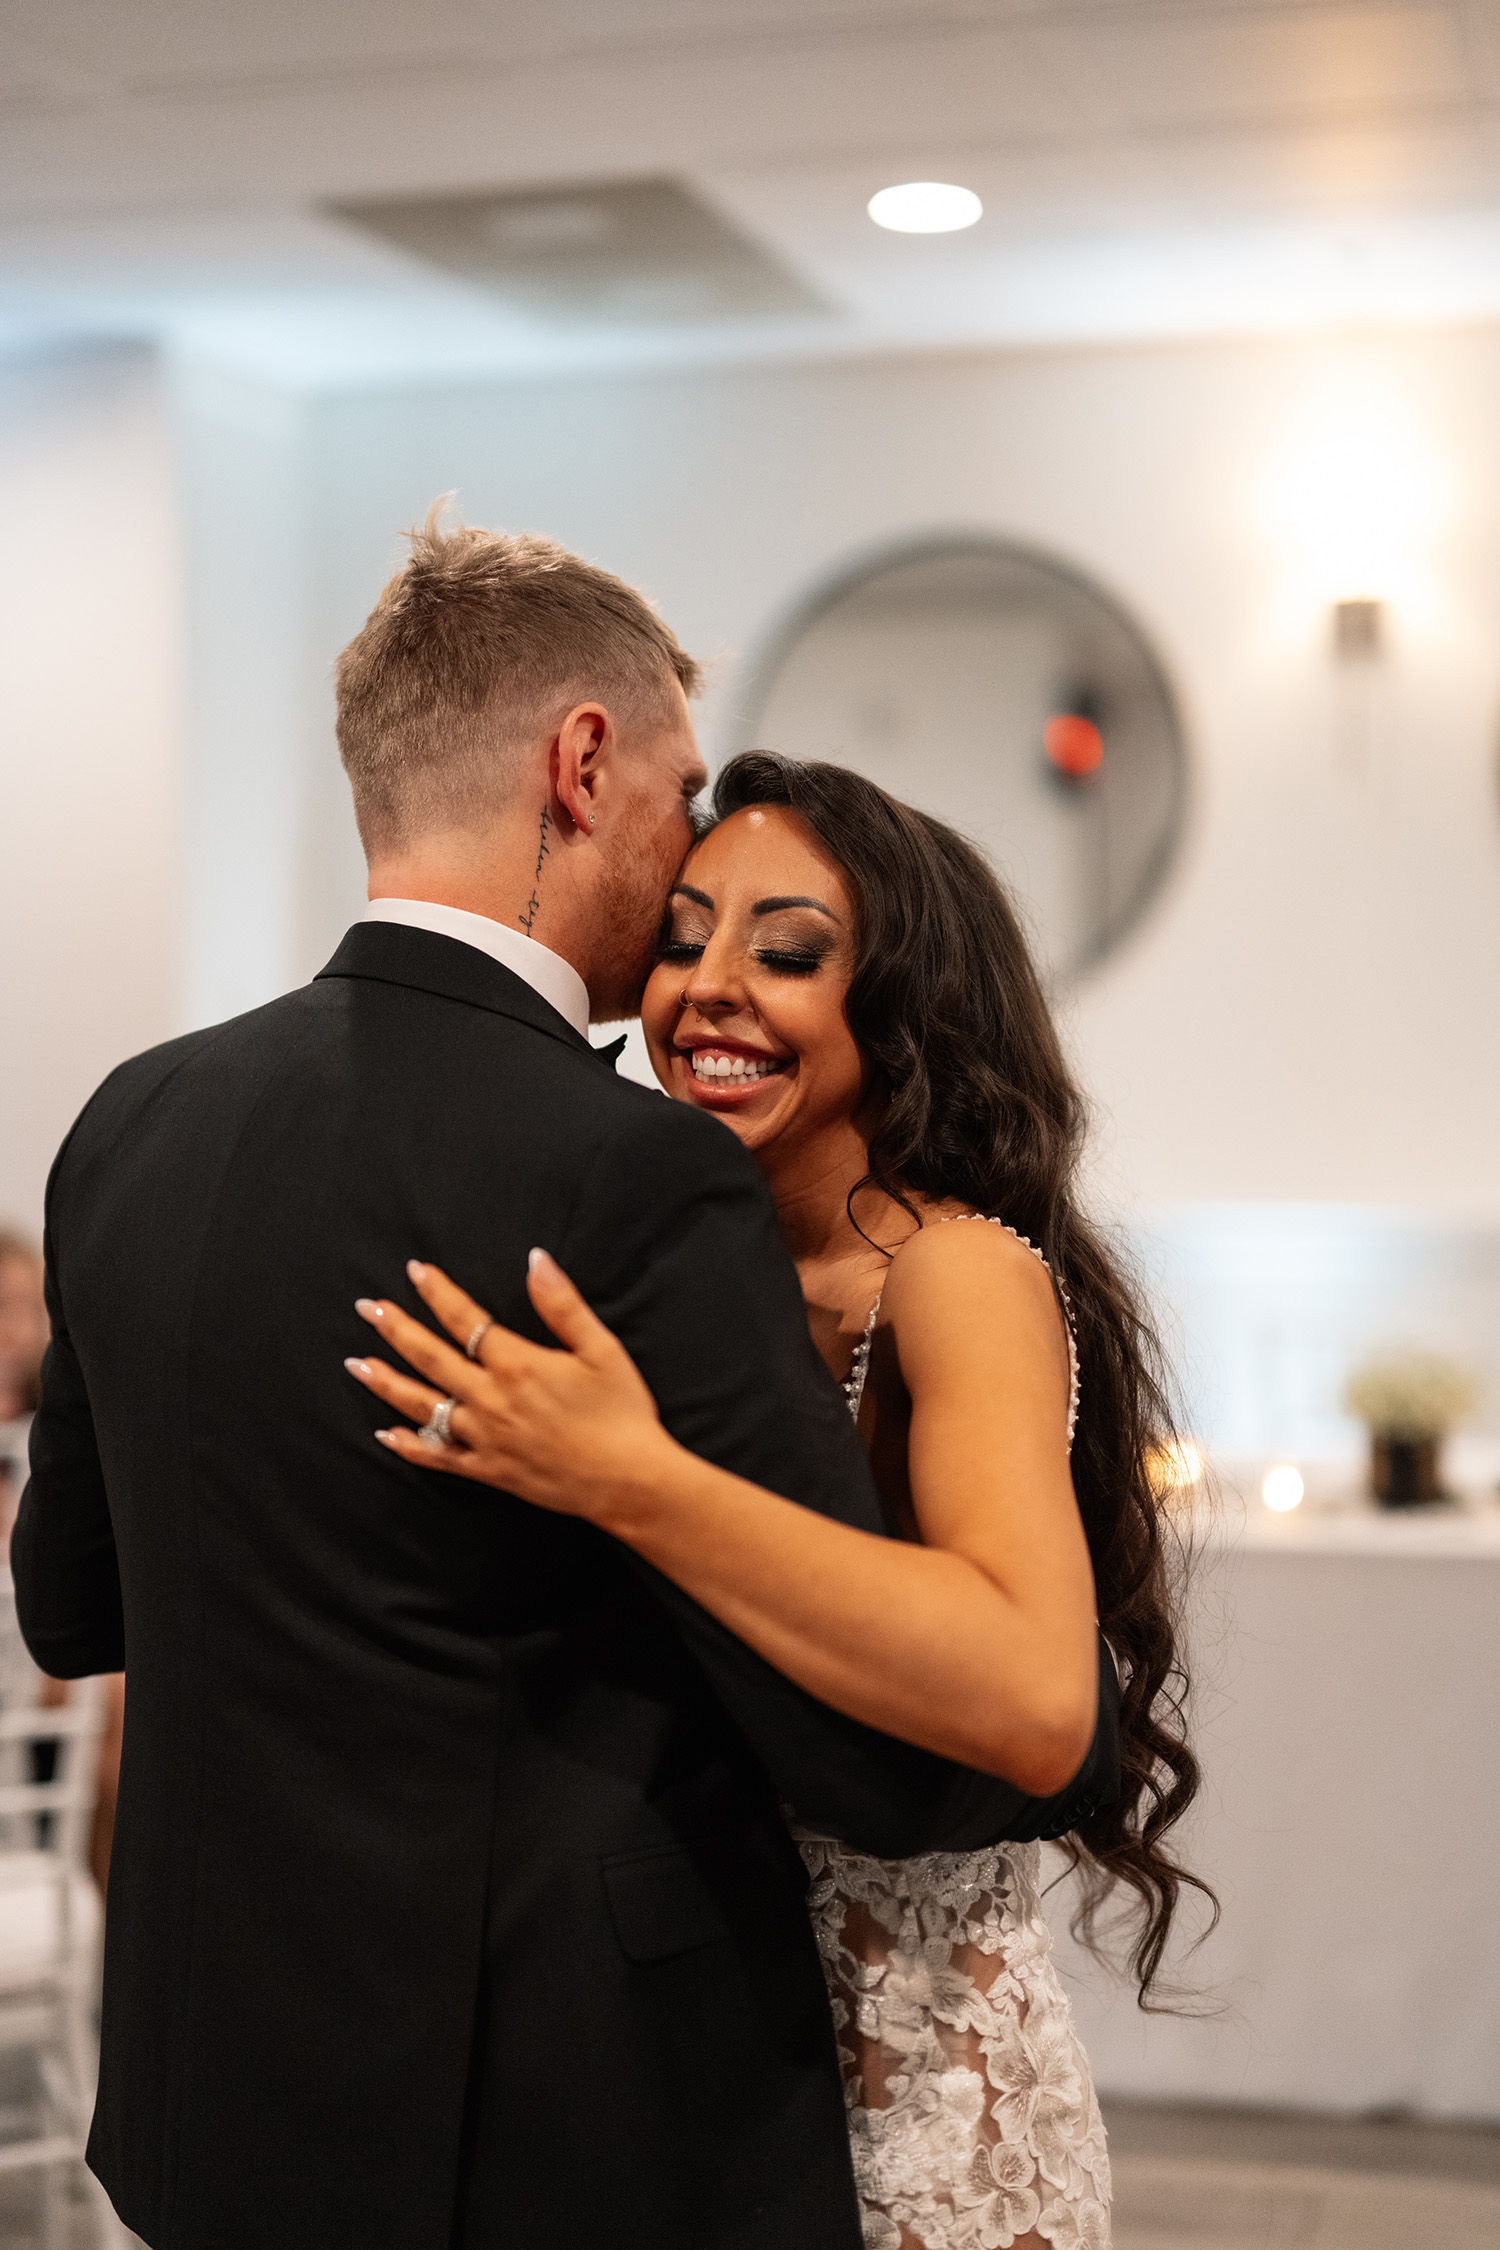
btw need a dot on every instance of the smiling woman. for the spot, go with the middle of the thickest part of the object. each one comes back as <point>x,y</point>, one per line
<point>743,1012</point>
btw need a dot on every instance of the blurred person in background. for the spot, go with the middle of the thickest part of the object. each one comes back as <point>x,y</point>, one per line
<point>24,1332</point>
<point>23,1340</point>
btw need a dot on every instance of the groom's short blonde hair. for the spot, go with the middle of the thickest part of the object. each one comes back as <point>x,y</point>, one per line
<point>475,647</point>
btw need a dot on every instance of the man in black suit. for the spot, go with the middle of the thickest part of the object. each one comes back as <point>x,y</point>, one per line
<point>451,1902</point>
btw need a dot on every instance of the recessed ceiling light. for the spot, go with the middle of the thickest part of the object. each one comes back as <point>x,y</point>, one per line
<point>925,207</point>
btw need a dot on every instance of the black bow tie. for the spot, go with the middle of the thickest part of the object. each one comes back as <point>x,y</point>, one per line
<point>612,1049</point>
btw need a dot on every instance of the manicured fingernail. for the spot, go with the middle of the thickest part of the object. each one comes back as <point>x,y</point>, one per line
<point>359,1367</point>
<point>386,1437</point>
<point>535,1259</point>
<point>367,1309</point>
<point>416,1271</point>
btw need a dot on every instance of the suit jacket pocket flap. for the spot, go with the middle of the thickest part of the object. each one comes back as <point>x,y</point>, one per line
<point>660,1905</point>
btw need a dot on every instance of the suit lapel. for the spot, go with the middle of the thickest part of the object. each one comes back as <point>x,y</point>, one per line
<point>390,953</point>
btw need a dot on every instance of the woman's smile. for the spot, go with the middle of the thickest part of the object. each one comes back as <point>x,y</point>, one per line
<point>723,1074</point>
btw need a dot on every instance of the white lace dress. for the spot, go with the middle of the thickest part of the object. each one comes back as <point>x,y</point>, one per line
<point>972,2118</point>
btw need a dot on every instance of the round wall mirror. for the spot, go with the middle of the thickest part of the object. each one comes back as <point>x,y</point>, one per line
<point>1008,695</point>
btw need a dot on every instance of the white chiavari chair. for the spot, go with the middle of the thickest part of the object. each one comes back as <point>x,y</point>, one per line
<point>49,1938</point>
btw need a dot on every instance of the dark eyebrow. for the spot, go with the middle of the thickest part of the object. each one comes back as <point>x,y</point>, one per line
<point>685,890</point>
<point>775,905</point>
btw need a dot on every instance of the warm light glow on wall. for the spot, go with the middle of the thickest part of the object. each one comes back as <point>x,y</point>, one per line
<point>1355,493</point>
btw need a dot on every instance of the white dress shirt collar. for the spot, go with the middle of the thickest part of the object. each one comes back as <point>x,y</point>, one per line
<point>547,973</point>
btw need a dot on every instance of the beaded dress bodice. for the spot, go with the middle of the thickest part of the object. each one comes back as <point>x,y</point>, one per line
<point>972,2118</point>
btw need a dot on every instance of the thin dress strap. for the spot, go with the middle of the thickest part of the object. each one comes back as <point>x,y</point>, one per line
<point>853,1385</point>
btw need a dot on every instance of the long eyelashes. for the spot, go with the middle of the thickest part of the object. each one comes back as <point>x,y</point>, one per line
<point>791,964</point>
<point>786,963</point>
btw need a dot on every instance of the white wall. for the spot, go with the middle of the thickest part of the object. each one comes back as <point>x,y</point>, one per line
<point>90,717</point>
<point>250,685</point>
<point>1312,1009</point>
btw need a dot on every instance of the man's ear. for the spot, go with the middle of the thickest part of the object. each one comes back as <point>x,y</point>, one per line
<point>578,755</point>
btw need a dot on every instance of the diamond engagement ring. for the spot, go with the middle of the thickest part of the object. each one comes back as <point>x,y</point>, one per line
<point>471,1348</point>
<point>437,1430</point>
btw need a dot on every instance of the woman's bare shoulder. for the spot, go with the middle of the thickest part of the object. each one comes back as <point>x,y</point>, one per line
<point>974,1317</point>
<point>956,1254</point>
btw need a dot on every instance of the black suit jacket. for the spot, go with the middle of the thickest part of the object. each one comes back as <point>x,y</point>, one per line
<point>451,1904</point>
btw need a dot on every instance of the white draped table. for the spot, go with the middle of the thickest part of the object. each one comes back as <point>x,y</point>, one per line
<point>1346,1667</point>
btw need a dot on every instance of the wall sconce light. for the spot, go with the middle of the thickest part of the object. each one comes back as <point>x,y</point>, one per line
<point>1354,495</point>
<point>1358,631</point>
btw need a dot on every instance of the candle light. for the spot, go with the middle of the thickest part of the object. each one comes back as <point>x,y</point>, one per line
<point>1283,1489</point>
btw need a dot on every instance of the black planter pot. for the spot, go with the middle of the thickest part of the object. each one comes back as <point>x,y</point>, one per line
<point>1404,1472</point>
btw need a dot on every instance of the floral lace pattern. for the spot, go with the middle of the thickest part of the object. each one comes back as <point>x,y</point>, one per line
<point>972,2118</point>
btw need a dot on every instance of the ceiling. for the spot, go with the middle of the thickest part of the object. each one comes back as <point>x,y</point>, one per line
<point>169,168</point>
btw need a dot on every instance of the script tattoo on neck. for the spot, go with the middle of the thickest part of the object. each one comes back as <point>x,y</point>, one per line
<point>532,908</point>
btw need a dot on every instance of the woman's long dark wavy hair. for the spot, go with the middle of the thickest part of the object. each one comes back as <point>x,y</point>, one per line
<point>979,1107</point>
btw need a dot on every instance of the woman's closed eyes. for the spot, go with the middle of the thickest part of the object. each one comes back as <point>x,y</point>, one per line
<point>684,942</point>
<point>789,961</point>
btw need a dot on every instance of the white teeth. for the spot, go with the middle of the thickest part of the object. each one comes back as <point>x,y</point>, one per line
<point>740,1067</point>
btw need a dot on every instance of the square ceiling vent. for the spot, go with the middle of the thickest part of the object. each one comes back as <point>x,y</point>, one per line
<point>617,253</point>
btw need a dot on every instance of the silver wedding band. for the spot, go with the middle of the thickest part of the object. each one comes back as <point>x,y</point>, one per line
<point>437,1430</point>
<point>471,1348</point>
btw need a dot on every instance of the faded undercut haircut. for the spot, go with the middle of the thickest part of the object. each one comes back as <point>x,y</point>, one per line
<point>480,643</point>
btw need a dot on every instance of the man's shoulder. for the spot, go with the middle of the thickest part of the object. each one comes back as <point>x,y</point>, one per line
<point>140,1076</point>
<point>614,1123</point>
<point>645,1125</point>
